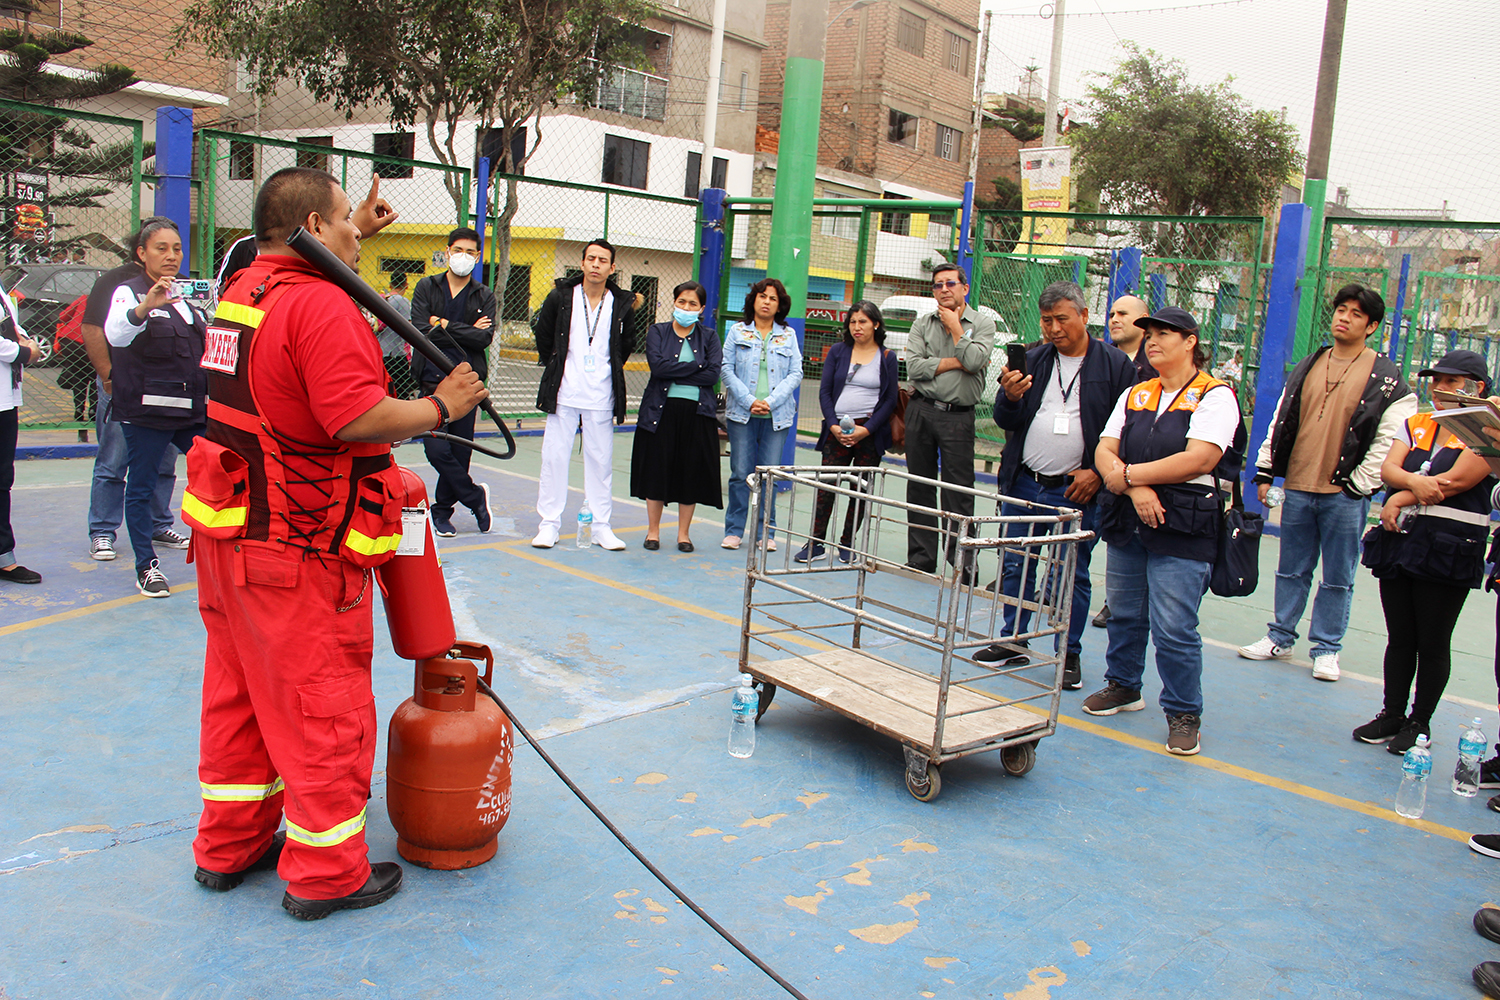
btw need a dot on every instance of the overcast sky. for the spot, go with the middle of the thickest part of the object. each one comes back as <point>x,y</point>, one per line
<point>1418,119</point>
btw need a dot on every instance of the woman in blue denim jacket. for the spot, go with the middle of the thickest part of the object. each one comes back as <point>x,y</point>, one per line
<point>762,370</point>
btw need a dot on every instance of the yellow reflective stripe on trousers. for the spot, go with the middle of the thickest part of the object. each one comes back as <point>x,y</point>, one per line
<point>235,312</point>
<point>240,793</point>
<point>229,517</point>
<point>326,838</point>
<point>367,546</point>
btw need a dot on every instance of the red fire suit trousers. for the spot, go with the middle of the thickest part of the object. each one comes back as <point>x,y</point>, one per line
<point>288,720</point>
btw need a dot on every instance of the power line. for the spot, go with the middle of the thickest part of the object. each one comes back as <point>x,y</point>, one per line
<point>1143,10</point>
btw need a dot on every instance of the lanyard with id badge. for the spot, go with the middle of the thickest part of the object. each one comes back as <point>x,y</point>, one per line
<point>590,362</point>
<point>1060,424</point>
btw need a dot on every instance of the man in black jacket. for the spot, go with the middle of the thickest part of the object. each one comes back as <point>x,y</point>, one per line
<point>1054,414</point>
<point>584,336</point>
<point>458,313</point>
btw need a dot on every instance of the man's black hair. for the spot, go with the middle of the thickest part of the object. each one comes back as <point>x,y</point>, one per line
<point>599,243</point>
<point>398,279</point>
<point>288,197</point>
<point>1369,301</point>
<point>462,233</point>
<point>947,266</point>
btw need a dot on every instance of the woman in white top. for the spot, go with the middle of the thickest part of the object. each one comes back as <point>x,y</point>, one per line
<point>16,351</point>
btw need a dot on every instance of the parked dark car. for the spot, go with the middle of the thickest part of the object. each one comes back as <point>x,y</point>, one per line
<point>41,292</point>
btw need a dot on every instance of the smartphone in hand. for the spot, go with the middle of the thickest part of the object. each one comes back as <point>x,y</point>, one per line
<point>1015,358</point>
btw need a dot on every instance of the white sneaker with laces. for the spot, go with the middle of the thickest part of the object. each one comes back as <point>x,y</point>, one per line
<point>1326,667</point>
<point>1266,649</point>
<point>546,537</point>
<point>102,548</point>
<point>607,539</point>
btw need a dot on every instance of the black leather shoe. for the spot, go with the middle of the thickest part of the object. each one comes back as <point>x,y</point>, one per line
<point>1487,978</point>
<point>1072,673</point>
<point>684,546</point>
<point>1487,923</point>
<point>651,544</point>
<point>20,574</point>
<point>224,881</point>
<point>383,883</point>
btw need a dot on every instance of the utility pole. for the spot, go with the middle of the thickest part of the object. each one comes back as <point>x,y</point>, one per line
<point>1315,187</point>
<point>711,99</point>
<point>968,237</point>
<point>1054,76</point>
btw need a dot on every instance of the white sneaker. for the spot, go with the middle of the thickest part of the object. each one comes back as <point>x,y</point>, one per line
<point>730,542</point>
<point>102,548</point>
<point>546,537</point>
<point>1266,649</point>
<point>605,538</point>
<point>1326,667</point>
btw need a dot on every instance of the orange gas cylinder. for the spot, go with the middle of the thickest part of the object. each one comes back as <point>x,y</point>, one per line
<point>448,765</point>
<point>411,583</point>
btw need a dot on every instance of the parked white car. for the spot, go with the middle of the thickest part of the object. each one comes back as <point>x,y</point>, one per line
<point>905,308</point>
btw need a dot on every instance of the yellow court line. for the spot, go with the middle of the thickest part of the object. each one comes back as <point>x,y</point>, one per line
<point>1093,728</point>
<point>63,616</point>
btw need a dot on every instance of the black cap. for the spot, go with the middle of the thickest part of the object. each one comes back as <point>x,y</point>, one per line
<point>1470,364</point>
<point>1170,316</point>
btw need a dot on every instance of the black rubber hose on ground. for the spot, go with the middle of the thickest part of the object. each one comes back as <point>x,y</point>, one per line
<point>762,966</point>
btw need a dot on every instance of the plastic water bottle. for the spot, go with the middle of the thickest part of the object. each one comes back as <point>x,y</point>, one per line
<point>1471,747</point>
<point>742,718</point>
<point>1275,497</point>
<point>1411,797</point>
<point>846,424</point>
<point>585,526</point>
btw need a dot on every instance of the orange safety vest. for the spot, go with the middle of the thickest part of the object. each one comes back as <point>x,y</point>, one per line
<point>238,471</point>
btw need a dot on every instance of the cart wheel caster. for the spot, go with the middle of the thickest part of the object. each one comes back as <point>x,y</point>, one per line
<point>934,785</point>
<point>767,695</point>
<point>1018,759</point>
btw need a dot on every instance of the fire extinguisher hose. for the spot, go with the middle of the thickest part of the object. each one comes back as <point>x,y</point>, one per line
<point>341,274</point>
<point>660,877</point>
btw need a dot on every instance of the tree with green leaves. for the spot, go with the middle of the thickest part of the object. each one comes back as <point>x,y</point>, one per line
<point>1153,142</point>
<point>496,63</point>
<point>38,144</point>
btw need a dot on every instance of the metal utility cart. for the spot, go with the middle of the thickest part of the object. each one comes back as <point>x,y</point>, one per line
<point>855,630</point>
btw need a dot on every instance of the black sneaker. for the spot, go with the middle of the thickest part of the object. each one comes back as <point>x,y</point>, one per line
<point>1487,923</point>
<point>1487,844</point>
<point>383,883</point>
<point>1493,804</point>
<point>1101,620</point>
<point>20,574</point>
<point>1407,737</point>
<point>808,552</point>
<point>1182,735</point>
<point>1112,699</point>
<point>1489,773</point>
<point>1487,978</point>
<point>482,515</point>
<point>1381,728</point>
<point>1072,673</point>
<point>224,881</point>
<point>442,525</point>
<point>169,539</point>
<point>1008,654</point>
<point>152,582</point>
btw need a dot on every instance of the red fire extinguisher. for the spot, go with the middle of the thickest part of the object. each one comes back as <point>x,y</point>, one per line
<point>449,749</point>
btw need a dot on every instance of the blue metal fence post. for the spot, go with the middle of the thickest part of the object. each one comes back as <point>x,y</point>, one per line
<point>1396,320</point>
<point>1156,287</point>
<point>712,258</point>
<point>1124,278</point>
<point>965,253</point>
<point>174,165</point>
<point>482,203</point>
<point>1283,300</point>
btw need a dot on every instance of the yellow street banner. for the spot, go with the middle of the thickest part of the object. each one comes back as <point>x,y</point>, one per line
<point>1045,187</point>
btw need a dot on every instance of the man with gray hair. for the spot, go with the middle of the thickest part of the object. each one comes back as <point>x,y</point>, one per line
<point>946,356</point>
<point>1054,412</point>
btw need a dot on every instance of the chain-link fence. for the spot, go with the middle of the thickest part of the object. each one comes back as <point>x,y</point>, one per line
<point>71,191</point>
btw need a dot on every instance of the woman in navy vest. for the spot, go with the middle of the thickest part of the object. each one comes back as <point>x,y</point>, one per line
<point>1159,454</point>
<point>1428,553</point>
<point>160,393</point>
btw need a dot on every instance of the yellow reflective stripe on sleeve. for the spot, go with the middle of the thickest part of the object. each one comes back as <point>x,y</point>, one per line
<point>367,546</point>
<point>229,517</point>
<point>235,312</point>
<point>240,793</point>
<point>326,838</point>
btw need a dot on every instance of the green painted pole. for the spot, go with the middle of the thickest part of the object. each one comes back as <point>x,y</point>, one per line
<point>1314,196</point>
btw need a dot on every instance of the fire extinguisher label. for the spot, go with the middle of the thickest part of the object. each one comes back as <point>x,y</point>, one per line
<point>413,532</point>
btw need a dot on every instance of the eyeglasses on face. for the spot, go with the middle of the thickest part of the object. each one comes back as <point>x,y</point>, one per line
<point>950,283</point>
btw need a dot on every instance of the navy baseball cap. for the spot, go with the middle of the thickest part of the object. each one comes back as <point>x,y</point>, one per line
<point>1170,316</point>
<point>1469,364</point>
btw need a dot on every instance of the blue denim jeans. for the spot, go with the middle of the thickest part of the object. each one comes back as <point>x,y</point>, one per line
<point>1312,525</point>
<point>107,496</point>
<point>1159,596</point>
<point>144,448</point>
<point>1016,565</point>
<point>751,444</point>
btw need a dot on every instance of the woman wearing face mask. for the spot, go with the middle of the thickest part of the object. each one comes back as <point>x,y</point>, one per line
<point>675,456</point>
<point>859,383</point>
<point>1428,553</point>
<point>762,370</point>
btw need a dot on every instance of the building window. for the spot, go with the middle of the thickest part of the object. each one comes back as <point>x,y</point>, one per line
<point>845,225</point>
<point>487,142</point>
<point>744,91</point>
<point>631,92</point>
<point>398,145</point>
<point>947,142</point>
<point>903,128</point>
<point>241,160</point>
<point>625,161</point>
<point>960,54</point>
<point>895,223</point>
<point>911,33</point>
<point>313,161</point>
<point>718,174</point>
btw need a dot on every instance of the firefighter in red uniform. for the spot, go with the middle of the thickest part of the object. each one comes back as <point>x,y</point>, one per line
<point>293,498</point>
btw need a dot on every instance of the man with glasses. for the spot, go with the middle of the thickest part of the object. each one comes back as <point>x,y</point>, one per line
<point>946,356</point>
